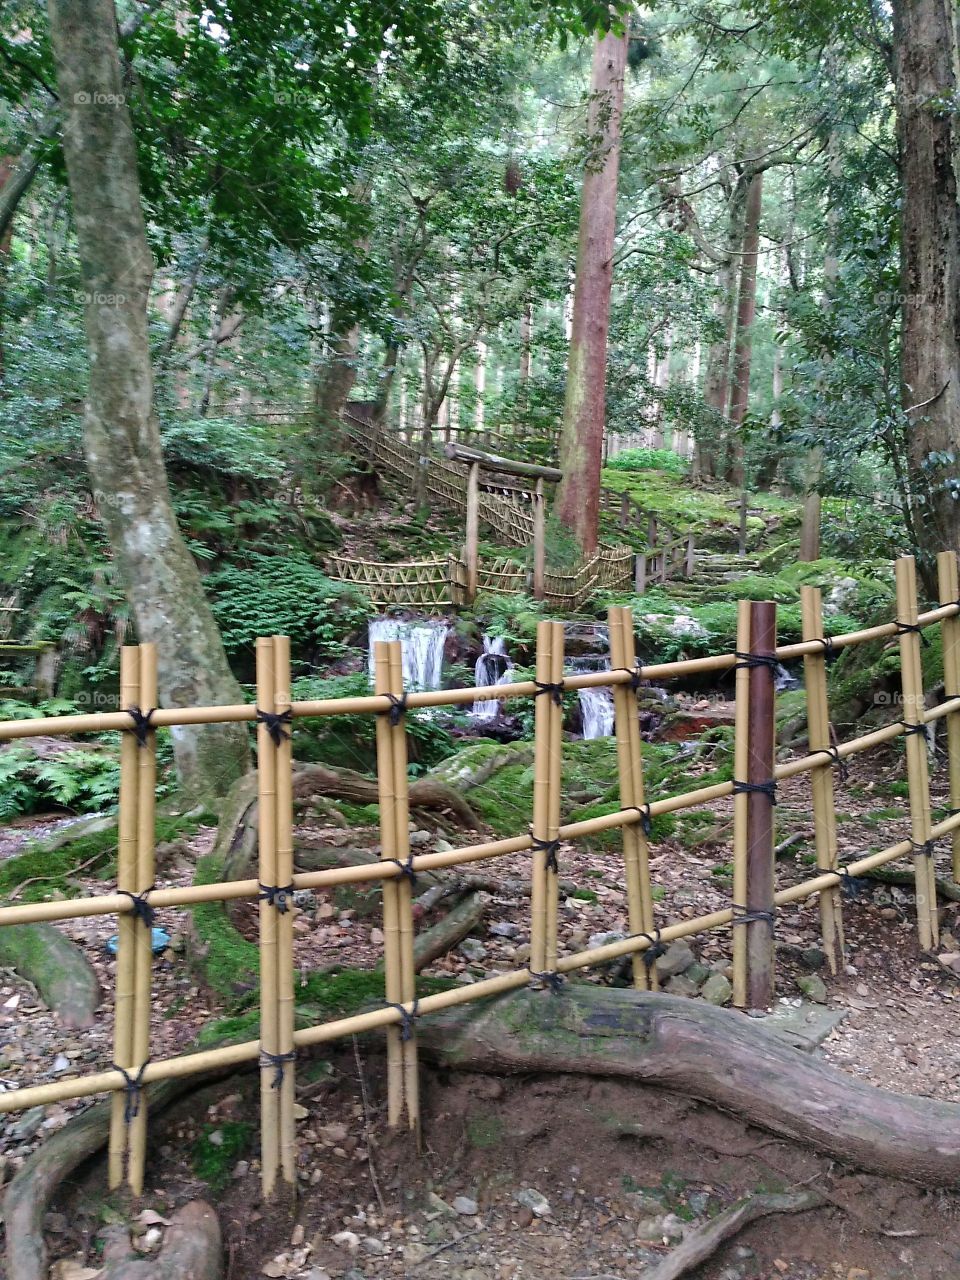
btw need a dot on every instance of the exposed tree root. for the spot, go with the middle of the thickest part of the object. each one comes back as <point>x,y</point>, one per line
<point>192,1250</point>
<point>702,1243</point>
<point>57,968</point>
<point>715,1055</point>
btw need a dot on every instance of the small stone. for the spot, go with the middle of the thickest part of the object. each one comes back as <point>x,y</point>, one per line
<point>216,1138</point>
<point>241,1169</point>
<point>28,1125</point>
<point>317,1273</point>
<point>604,939</point>
<point>61,1063</point>
<point>297,1235</point>
<point>504,929</point>
<point>697,973</point>
<point>374,1245</point>
<point>418,838</point>
<point>717,989</point>
<point>466,1206</point>
<point>524,1217</point>
<point>950,960</point>
<point>522,954</point>
<point>680,985</point>
<point>414,1254</point>
<point>435,1204</point>
<point>538,1205</point>
<point>472,949</point>
<point>376,937</point>
<point>677,957</point>
<point>813,987</point>
<point>813,958</point>
<point>347,1240</point>
<point>889,913</point>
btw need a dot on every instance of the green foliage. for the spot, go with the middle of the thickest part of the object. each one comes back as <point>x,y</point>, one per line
<point>286,595</point>
<point>84,781</point>
<point>217,1150</point>
<point>649,460</point>
<point>514,618</point>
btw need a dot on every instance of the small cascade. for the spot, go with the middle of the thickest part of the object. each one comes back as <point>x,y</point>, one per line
<point>596,705</point>
<point>421,643</point>
<point>493,667</point>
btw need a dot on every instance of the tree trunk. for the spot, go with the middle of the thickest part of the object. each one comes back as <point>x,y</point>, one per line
<point>577,503</point>
<point>746,310</point>
<point>928,137</point>
<point>121,433</point>
<point>716,1055</point>
<point>811,520</point>
<point>340,373</point>
<point>526,338</point>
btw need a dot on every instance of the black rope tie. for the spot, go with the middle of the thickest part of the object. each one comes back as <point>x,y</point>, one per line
<point>141,909</point>
<point>912,628</point>
<point>278,1061</point>
<point>850,884</point>
<point>550,848</point>
<point>635,676</point>
<point>768,789</point>
<point>838,761</point>
<point>747,661</point>
<point>830,654</point>
<point>910,729</point>
<point>923,848</point>
<point>132,1087</point>
<point>656,948</point>
<point>407,870</point>
<point>743,915</point>
<point>397,709</point>
<point>553,688</point>
<point>277,895</point>
<point>142,725</point>
<point>552,981</point>
<point>646,825</point>
<point>408,1018</point>
<point>276,722</point>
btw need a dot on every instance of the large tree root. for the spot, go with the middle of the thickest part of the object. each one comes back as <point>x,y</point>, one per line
<point>192,1250</point>
<point>700,1244</point>
<point>716,1055</point>
<point>57,968</point>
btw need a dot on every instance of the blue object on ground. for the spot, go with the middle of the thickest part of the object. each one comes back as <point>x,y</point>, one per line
<point>161,940</point>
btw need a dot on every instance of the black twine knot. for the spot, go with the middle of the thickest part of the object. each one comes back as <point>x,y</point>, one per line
<point>277,895</point>
<point>850,885</point>
<point>551,981</point>
<point>910,729</point>
<point>397,709</point>
<point>743,915</point>
<point>141,908</point>
<point>635,676</point>
<point>553,688</point>
<point>656,948</point>
<point>838,761</point>
<point>407,1018</point>
<point>646,820</point>
<point>132,1087</point>
<point>142,725</point>
<point>747,661</point>
<point>275,722</point>
<point>550,848</point>
<point>912,628</point>
<point>767,788</point>
<point>407,870</point>
<point>830,654</point>
<point>278,1061</point>
<point>923,848</point>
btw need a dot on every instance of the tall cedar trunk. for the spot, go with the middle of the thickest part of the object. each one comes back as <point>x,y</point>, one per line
<point>340,372</point>
<point>581,435</point>
<point>928,137</point>
<point>121,433</point>
<point>746,310</point>
<point>526,339</point>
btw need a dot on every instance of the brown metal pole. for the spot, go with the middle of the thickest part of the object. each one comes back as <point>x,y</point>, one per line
<point>761,763</point>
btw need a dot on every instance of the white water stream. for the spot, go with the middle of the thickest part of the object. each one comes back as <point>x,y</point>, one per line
<point>421,644</point>
<point>596,705</point>
<point>492,667</point>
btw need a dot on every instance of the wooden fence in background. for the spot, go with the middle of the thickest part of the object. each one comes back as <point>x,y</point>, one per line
<point>750,915</point>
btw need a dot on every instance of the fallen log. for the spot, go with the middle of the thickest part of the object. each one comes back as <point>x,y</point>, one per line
<point>702,1242</point>
<point>716,1055</point>
<point>443,936</point>
<point>58,969</point>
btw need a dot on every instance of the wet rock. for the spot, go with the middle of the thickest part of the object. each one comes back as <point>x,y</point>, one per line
<point>813,987</point>
<point>680,985</point>
<point>717,989</point>
<point>677,957</point>
<point>697,973</point>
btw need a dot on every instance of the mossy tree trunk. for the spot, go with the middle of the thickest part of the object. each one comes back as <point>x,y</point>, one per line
<point>581,433</point>
<point>121,431</point>
<point>743,347</point>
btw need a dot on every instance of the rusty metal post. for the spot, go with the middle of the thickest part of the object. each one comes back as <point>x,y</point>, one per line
<point>761,762</point>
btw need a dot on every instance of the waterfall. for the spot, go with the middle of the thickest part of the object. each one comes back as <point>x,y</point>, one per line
<point>421,644</point>
<point>596,705</point>
<point>493,667</point>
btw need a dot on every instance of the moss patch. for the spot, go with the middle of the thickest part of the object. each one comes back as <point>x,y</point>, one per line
<point>217,1150</point>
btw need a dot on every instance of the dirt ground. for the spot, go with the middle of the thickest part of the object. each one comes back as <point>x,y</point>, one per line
<point>489,1140</point>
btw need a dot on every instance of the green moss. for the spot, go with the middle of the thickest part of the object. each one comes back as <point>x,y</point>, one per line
<point>360,815</point>
<point>485,1131</point>
<point>585,895</point>
<point>231,964</point>
<point>217,1150</point>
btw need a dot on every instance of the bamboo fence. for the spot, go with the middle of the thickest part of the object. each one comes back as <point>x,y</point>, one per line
<point>750,915</point>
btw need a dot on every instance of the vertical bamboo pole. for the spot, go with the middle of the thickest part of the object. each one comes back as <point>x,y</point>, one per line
<point>554,789</point>
<point>541,800</point>
<point>821,780</point>
<point>740,759</point>
<point>391,920</point>
<point>267,825</point>
<point>285,966</point>
<point>761,862</point>
<point>539,542</point>
<point>950,630</point>
<point>126,922</point>
<point>408,972</point>
<point>918,778</point>
<point>146,875</point>
<point>473,530</point>
<point>630,768</point>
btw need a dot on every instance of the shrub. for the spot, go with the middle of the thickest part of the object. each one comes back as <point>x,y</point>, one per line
<point>649,460</point>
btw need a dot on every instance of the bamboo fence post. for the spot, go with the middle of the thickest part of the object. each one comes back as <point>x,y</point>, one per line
<point>143,931</point>
<point>473,530</point>
<point>761,861</point>
<point>267,827</point>
<point>285,966</point>
<point>541,798</point>
<point>949,583</point>
<point>408,972</point>
<point>393,980</point>
<point>555,706</point>
<point>630,767</point>
<point>918,778</point>
<point>821,779</point>
<point>740,759</point>
<point>539,541</point>
<point>125,980</point>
